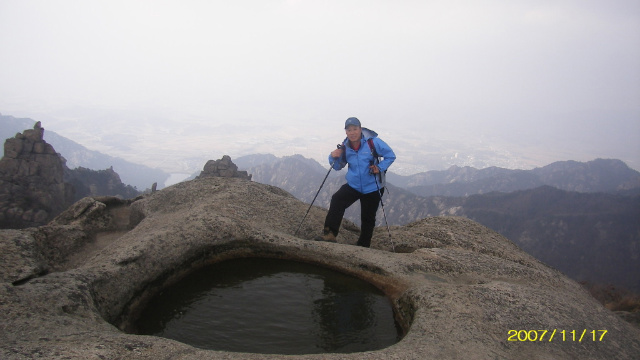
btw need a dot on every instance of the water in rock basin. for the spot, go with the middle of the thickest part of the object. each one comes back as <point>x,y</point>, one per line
<point>272,307</point>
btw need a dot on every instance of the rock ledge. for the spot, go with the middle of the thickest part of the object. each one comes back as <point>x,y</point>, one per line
<point>70,289</point>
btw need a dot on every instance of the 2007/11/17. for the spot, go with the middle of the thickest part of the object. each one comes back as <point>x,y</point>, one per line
<point>539,335</point>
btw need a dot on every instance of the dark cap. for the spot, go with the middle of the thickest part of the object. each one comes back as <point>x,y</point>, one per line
<point>352,121</point>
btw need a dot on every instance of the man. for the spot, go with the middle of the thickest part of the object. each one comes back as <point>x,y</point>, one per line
<point>361,150</point>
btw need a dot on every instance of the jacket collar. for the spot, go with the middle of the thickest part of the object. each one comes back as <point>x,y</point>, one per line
<point>366,135</point>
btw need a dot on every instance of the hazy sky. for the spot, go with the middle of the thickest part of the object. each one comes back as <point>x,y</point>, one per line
<point>516,72</point>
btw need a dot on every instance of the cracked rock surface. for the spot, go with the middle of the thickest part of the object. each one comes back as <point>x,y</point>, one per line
<point>71,289</point>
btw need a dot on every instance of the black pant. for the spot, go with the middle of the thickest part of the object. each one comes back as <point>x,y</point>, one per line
<point>345,197</point>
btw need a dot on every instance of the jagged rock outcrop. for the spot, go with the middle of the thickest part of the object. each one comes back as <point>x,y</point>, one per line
<point>36,185</point>
<point>223,168</point>
<point>73,288</point>
<point>32,187</point>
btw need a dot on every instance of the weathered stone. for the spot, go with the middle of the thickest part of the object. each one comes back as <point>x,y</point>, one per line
<point>459,290</point>
<point>32,180</point>
<point>15,212</point>
<point>223,168</point>
<point>40,217</point>
<point>36,185</point>
<point>244,175</point>
<point>27,145</point>
<point>39,148</point>
<point>8,166</point>
<point>12,147</point>
<point>28,215</point>
<point>48,149</point>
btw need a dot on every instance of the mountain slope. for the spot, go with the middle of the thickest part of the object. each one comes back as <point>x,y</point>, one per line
<point>458,294</point>
<point>591,237</point>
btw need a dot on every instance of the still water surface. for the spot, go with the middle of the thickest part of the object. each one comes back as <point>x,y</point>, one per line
<point>272,307</point>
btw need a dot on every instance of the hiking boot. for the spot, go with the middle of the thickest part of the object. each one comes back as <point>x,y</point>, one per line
<point>327,236</point>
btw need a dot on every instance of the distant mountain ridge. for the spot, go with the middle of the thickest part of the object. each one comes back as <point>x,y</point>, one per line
<point>591,235</point>
<point>600,175</point>
<point>302,177</point>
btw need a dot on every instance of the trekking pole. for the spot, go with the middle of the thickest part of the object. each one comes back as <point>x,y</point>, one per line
<point>393,247</point>
<point>314,198</point>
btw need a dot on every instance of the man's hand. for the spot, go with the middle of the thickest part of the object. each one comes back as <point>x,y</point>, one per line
<point>374,169</point>
<point>336,153</point>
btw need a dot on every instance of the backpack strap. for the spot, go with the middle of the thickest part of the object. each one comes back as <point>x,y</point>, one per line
<point>374,152</point>
<point>373,149</point>
<point>344,151</point>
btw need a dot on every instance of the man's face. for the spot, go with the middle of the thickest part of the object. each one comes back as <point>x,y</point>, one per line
<point>353,132</point>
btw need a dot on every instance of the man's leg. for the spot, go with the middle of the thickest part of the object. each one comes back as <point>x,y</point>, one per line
<point>340,201</point>
<point>368,208</point>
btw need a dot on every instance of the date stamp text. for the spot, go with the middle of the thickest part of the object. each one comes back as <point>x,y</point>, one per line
<point>556,335</point>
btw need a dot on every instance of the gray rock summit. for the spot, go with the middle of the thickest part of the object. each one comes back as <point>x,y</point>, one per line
<point>36,185</point>
<point>32,186</point>
<point>223,168</point>
<point>72,289</point>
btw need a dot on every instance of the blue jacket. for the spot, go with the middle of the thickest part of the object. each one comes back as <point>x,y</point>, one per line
<point>358,176</point>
